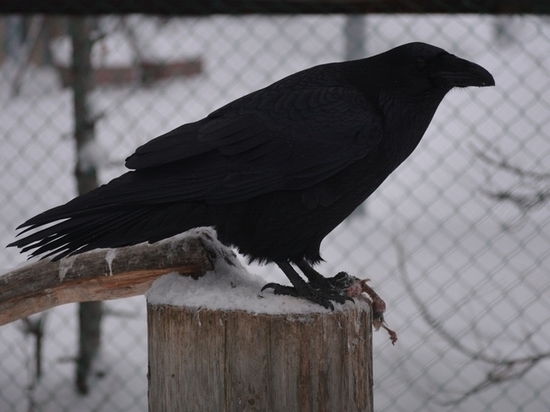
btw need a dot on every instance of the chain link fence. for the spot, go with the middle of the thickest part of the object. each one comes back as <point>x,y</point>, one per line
<point>457,240</point>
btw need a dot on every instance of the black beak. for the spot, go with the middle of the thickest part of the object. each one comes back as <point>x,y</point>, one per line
<point>451,71</point>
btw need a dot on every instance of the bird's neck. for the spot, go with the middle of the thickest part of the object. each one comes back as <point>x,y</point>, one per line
<point>406,120</point>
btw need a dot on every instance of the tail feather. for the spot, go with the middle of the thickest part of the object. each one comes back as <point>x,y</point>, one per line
<point>75,233</point>
<point>111,227</point>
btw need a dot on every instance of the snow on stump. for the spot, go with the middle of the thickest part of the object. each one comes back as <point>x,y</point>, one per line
<point>217,344</point>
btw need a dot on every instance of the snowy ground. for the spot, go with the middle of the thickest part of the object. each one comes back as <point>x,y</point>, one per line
<point>480,266</point>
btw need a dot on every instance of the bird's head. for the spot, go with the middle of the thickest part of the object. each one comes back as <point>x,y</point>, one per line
<point>408,83</point>
<point>421,66</point>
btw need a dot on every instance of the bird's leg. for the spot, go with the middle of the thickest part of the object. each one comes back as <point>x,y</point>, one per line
<point>319,289</point>
<point>339,283</point>
<point>339,288</point>
<point>351,287</point>
<point>300,288</point>
<point>316,280</point>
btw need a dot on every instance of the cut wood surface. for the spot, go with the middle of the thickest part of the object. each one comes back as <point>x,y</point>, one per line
<point>98,275</point>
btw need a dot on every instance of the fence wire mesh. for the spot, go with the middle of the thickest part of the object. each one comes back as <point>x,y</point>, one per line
<point>457,240</point>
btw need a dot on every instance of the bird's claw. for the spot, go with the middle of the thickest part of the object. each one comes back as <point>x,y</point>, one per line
<point>281,289</point>
<point>315,295</point>
<point>340,288</point>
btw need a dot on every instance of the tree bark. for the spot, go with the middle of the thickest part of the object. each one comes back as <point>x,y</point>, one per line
<point>98,275</point>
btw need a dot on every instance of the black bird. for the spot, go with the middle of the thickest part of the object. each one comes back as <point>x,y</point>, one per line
<point>273,172</point>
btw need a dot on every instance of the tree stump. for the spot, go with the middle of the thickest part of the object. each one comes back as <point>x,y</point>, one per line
<point>204,358</point>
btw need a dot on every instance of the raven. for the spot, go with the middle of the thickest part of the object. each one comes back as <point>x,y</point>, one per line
<point>275,171</point>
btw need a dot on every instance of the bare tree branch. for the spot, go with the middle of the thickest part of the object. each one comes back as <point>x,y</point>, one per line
<point>530,178</point>
<point>501,369</point>
<point>98,275</point>
<point>500,162</point>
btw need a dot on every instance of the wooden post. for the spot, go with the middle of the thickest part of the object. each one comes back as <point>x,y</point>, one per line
<point>235,360</point>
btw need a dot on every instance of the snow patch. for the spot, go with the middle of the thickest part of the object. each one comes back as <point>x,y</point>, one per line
<point>92,155</point>
<point>65,265</point>
<point>228,287</point>
<point>113,50</point>
<point>109,257</point>
<point>117,47</point>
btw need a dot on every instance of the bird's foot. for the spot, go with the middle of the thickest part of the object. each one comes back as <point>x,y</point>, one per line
<point>361,288</point>
<point>322,293</point>
<point>342,281</point>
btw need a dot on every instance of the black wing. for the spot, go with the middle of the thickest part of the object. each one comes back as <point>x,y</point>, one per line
<point>273,140</point>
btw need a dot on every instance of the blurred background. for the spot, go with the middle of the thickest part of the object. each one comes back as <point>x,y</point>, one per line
<point>457,240</point>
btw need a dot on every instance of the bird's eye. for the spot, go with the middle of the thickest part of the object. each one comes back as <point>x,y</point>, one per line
<point>421,63</point>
